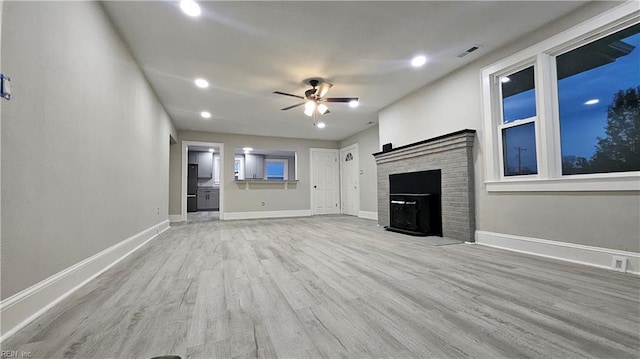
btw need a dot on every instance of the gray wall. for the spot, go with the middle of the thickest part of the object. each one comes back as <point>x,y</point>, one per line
<point>603,219</point>
<point>85,142</point>
<point>368,144</point>
<point>236,198</point>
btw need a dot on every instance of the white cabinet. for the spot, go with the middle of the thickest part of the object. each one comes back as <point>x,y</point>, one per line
<point>204,160</point>
<point>253,166</point>
<point>205,164</point>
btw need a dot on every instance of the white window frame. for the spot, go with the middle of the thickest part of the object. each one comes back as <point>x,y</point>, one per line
<point>216,169</point>
<point>547,128</point>
<point>500,125</point>
<point>240,161</point>
<point>285,167</point>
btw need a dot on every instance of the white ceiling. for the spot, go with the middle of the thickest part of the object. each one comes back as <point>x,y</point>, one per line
<point>247,50</point>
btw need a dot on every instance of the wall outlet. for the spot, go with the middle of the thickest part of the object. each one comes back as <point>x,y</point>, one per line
<point>158,211</point>
<point>619,264</point>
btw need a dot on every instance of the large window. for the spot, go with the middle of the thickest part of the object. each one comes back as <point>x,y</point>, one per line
<point>565,114</point>
<point>598,96</point>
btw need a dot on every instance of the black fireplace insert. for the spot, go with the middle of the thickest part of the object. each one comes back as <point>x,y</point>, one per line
<point>414,203</point>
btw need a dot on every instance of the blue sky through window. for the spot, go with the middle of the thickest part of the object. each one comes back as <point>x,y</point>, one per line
<point>275,170</point>
<point>519,106</point>
<point>519,146</point>
<point>581,124</point>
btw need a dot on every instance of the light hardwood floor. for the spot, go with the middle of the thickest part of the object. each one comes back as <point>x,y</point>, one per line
<point>337,287</point>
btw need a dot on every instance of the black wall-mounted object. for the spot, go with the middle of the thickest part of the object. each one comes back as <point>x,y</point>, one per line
<point>5,87</point>
<point>387,147</point>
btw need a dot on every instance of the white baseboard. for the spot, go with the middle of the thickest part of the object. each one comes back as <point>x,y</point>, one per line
<point>569,252</point>
<point>21,308</point>
<point>175,218</point>
<point>266,214</point>
<point>368,215</point>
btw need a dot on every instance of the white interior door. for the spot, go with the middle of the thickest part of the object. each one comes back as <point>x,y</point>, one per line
<point>349,183</point>
<point>325,176</point>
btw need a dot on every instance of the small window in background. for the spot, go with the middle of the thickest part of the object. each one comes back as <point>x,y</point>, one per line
<point>519,147</point>
<point>518,96</point>
<point>598,97</point>
<point>275,170</point>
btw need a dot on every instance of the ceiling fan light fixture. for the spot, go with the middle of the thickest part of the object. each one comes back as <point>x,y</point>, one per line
<point>322,108</point>
<point>309,107</point>
<point>320,125</point>
<point>190,8</point>
<point>354,103</point>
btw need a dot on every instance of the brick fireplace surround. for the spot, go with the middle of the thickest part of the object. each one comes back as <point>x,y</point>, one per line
<point>453,155</point>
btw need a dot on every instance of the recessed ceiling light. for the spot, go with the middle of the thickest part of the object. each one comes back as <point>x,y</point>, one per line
<point>505,79</point>
<point>247,149</point>
<point>354,103</point>
<point>320,125</point>
<point>211,150</point>
<point>418,61</point>
<point>202,83</point>
<point>205,114</point>
<point>190,7</point>
<point>592,101</point>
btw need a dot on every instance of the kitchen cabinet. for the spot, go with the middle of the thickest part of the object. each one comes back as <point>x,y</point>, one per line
<point>253,166</point>
<point>208,198</point>
<point>193,158</point>
<point>205,164</point>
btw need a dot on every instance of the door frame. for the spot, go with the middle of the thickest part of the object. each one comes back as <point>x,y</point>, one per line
<point>311,165</point>
<point>356,172</point>
<point>185,160</point>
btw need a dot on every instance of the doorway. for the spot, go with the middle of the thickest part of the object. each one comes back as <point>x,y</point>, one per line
<point>202,194</point>
<point>349,180</point>
<point>325,181</point>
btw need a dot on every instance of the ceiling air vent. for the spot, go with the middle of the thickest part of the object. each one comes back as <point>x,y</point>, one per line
<point>468,51</point>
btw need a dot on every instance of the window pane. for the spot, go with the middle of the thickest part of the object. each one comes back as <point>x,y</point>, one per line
<point>598,96</point>
<point>519,146</point>
<point>275,170</point>
<point>518,95</point>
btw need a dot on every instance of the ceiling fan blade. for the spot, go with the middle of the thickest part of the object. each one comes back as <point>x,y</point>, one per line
<point>340,99</point>
<point>287,94</point>
<point>293,106</point>
<point>323,89</point>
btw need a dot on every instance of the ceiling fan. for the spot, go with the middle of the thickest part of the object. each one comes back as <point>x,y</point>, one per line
<point>314,98</point>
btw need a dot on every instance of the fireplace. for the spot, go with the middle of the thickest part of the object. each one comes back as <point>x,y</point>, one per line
<point>414,203</point>
<point>450,196</point>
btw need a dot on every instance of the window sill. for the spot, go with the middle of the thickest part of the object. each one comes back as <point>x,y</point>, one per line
<point>577,183</point>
